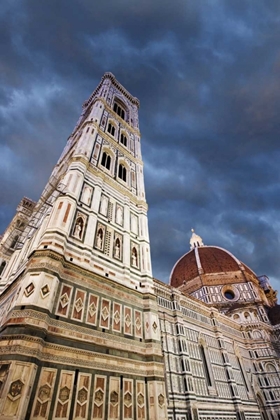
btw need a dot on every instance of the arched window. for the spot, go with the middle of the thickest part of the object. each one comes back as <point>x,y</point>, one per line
<point>119,110</point>
<point>247,316</point>
<point>111,129</point>
<point>122,172</point>
<point>124,139</point>
<point>106,160</point>
<point>14,242</point>
<point>2,266</point>
<point>270,367</point>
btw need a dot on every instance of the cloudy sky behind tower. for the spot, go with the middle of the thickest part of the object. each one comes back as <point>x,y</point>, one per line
<point>207,73</point>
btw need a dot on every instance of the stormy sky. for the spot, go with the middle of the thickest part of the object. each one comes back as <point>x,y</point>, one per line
<point>207,76</point>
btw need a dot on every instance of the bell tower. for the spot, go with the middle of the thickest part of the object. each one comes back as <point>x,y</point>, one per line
<point>103,208</point>
<point>80,333</point>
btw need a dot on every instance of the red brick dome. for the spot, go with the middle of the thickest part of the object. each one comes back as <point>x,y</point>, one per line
<point>208,265</point>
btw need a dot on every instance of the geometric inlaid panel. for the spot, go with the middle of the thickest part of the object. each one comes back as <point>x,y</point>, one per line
<point>117,317</point>
<point>127,320</point>
<point>82,397</point>
<point>63,304</point>
<point>64,395</point>
<point>44,394</point>
<point>92,309</point>
<point>79,305</point>
<point>128,399</point>
<point>114,398</point>
<point>140,400</point>
<point>17,388</point>
<point>99,395</point>
<point>29,289</point>
<point>138,324</point>
<point>105,314</point>
<point>45,291</point>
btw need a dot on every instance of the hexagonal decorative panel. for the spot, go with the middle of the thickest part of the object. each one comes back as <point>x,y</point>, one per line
<point>15,389</point>
<point>127,399</point>
<point>44,393</point>
<point>64,394</point>
<point>82,396</point>
<point>99,395</point>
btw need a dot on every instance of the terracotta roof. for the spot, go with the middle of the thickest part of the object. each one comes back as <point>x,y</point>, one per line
<point>216,260</point>
<point>212,259</point>
<point>185,269</point>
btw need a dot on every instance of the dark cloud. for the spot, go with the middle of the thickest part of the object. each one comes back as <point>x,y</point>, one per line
<point>207,76</point>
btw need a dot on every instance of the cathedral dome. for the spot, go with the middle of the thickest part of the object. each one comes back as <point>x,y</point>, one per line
<point>208,266</point>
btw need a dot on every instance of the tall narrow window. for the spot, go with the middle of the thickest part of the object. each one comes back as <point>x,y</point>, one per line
<point>2,266</point>
<point>14,242</point>
<point>124,139</point>
<point>111,129</point>
<point>106,160</point>
<point>205,365</point>
<point>119,110</point>
<point>122,172</point>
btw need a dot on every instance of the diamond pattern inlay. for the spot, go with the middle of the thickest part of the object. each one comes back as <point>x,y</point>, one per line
<point>64,300</point>
<point>92,309</point>
<point>29,289</point>
<point>127,320</point>
<point>45,290</point>
<point>117,317</point>
<point>79,305</point>
<point>138,323</point>
<point>105,313</point>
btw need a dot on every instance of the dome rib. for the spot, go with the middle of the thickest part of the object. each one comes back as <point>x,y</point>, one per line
<point>208,261</point>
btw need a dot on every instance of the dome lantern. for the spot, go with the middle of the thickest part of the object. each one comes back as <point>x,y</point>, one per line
<point>195,240</point>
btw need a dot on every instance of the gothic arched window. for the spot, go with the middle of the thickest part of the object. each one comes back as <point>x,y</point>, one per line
<point>119,110</point>
<point>111,129</point>
<point>122,172</point>
<point>14,242</point>
<point>106,160</point>
<point>124,139</point>
<point>2,266</point>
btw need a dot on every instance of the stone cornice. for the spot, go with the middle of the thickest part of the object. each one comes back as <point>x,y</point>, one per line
<point>108,75</point>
